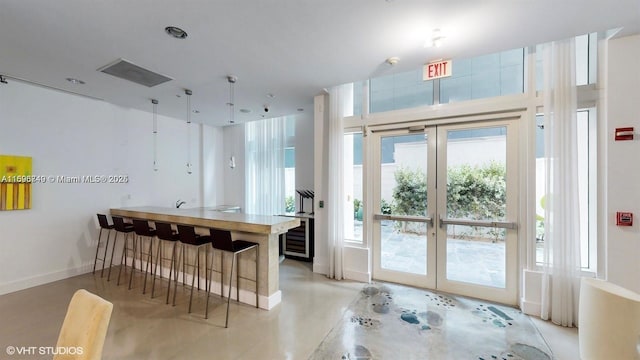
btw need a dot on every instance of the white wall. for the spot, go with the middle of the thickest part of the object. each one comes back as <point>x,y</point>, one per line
<point>304,157</point>
<point>74,136</point>
<point>623,166</point>
<point>213,163</point>
<point>619,247</point>
<point>320,161</point>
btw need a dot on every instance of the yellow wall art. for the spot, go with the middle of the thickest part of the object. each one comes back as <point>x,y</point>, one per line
<point>15,182</point>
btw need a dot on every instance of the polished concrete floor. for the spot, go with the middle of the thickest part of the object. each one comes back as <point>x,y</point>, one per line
<point>144,328</point>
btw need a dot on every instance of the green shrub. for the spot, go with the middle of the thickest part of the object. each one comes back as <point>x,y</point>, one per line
<point>289,204</point>
<point>473,192</point>
<point>385,207</point>
<point>410,193</point>
<point>357,209</point>
<point>478,192</point>
<point>410,198</point>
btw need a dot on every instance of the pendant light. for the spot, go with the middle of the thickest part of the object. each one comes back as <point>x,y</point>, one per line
<point>155,134</point>
<point>232,81</point>
<point>189,165</point>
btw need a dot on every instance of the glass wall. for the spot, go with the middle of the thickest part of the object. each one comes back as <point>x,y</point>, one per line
<point>399,91</point>
<point>587,191</point>
<point>586,66</point>
<point>353,187</point>
<point>484,76</point>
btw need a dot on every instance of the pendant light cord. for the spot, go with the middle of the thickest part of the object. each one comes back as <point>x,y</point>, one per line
<point>189,165</point>
<point>155,134</point>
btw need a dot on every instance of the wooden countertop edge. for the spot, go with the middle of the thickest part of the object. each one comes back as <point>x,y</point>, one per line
<point>279,228</point>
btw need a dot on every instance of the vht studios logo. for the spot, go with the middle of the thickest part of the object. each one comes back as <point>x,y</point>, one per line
<point>44,350</point>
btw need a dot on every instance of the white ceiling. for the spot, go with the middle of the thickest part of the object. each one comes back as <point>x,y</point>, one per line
<point>290,48</point>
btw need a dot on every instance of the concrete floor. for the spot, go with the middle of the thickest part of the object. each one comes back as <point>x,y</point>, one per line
<point>144,328</point>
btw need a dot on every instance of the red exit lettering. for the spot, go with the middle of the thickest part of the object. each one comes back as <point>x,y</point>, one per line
<point>437,70</point>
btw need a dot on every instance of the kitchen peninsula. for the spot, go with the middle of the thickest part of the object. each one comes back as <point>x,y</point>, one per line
<point>264,230</point>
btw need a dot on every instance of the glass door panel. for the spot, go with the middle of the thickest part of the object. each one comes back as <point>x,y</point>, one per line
<point>477,242</point>
<point>401,221</point>
<point>445,208</point>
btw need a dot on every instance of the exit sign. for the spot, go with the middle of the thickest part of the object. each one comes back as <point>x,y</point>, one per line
<point>437,69</point>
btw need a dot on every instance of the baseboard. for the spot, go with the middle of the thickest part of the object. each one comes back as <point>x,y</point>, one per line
<point>246,296</point>
<point>530,308</point>
<point>360,276</point>
<point>320,268</point>
<point>44,279</point>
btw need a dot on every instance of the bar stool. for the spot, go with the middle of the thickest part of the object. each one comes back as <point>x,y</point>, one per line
<point>124,228</point>
<point>144,231</point>
<point>222,241</point>
<point>104,225</point>
<point>165,233</point>
<point>188,237</point>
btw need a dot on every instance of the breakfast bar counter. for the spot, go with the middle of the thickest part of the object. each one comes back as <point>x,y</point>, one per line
<point>265,230</point>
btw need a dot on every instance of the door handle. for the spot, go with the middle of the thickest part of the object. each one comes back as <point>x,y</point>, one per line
<point>465,222</point>
<point>422,219</point>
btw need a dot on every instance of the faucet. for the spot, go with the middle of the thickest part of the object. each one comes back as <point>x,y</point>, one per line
<point>180,203</point>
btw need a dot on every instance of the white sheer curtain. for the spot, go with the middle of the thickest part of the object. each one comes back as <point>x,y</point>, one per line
<point>560,288</point>
<point>264,146</point>
<point>335,188</point>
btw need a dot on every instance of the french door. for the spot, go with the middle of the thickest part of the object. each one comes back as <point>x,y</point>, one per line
<point>445,208</point>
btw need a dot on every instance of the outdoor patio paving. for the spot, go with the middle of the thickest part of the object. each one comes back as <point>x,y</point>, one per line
<point>473,261</point>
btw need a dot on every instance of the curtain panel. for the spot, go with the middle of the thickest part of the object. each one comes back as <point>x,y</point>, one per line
<point>562,268</point>
<point>264,145</point>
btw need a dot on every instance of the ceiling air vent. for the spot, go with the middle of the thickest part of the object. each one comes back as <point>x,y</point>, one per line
<point>132,72</point>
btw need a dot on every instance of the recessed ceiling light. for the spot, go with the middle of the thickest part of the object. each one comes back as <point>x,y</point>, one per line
<point>246,111</point>
<point>75,81</point>
<point>176,32</point>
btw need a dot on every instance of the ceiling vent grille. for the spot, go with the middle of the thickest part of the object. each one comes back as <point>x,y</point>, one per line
<point>126,70</point>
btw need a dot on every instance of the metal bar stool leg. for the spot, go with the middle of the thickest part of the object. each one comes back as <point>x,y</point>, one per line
<point>133,261</point>
<point>175,286</point>
<point>122,257</point>
<point>106,250</point>
<point>222,274</point>
<point>173,268</point>
<point>226,321</point>
<point>193,277</point>
<point>149,262</point>
<point>113,251</point>
<point>95,260</point>
<point>155,268</point>
<point>257,273</point>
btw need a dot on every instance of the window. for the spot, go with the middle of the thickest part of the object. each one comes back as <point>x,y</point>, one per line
<point>290,180</point>
<point>586,65</point>
<point>353,184</point>
<point>484,76</point>
<point>476,78</point>
<point>587,175</point>
<point>290,165</point>
<point>400,91</point>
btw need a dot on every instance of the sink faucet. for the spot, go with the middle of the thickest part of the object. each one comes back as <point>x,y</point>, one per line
<point>180,203</point>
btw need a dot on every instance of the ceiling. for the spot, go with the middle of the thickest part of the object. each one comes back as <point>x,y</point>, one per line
<point>291,49</point>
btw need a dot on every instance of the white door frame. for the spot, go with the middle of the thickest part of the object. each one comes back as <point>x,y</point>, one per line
<point>436,234</point>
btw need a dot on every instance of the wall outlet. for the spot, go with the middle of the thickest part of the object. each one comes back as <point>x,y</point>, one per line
<point>321,204</point>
